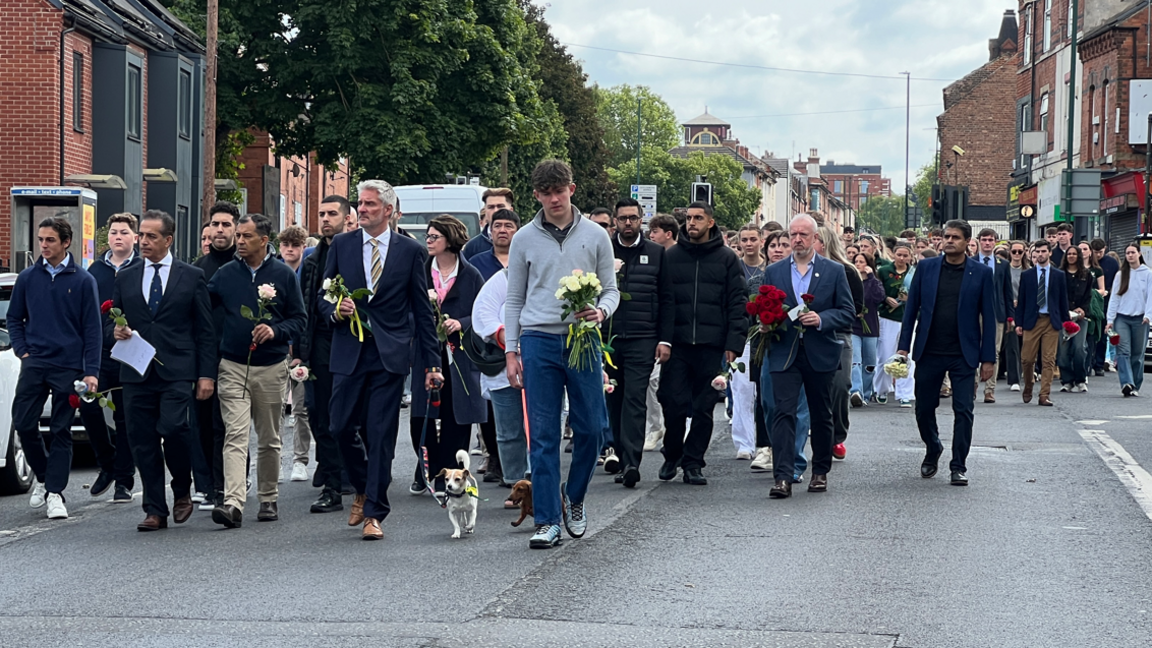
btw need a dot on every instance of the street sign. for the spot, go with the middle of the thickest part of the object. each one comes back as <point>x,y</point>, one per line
<point>644,189</point>
<point>646,196</point>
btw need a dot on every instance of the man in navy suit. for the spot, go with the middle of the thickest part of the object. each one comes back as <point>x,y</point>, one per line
<point>398,322</point>
<point>1002,298</point>
<point>1041,308</point>
<point>165,302</point>
<point>951,305</point>
<point>807,353</point>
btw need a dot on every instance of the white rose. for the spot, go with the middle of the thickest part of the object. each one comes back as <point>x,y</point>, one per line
<point>560,294</point>
<point>432,294</point>
<point>719,383</point>
<point>299,373</point>
<point>577,272</point>
<point>617,264</point>
<point>327,285</point>
<point>331,299</point>
<point>266,292</point>
<point>80,386</point>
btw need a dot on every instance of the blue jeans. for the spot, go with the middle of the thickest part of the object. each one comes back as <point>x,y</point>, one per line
<point>1133,334</point>
<point>863,365</point>
<point>803,418</point>
<point>546,375</point>
<point>1072,358</point>
<point>511,442</point>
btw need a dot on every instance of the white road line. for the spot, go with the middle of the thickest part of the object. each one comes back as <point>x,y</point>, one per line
<point>1134,477</point>
<point>1140,416</point>
<point>1092,422</point>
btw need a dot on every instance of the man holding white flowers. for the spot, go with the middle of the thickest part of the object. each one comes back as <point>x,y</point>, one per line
<point>558,243</point>
<point>253,363</point>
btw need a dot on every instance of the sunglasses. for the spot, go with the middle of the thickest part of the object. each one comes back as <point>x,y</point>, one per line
<point>1017,252</point>
<point>605,225</point>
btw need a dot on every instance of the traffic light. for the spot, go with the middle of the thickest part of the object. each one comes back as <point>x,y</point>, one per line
<point>702,192</point>
<point>937,204</point>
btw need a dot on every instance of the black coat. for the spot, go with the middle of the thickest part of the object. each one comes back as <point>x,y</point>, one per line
<point>710,292</point>
<point>649,310</point>
<point>470,407</point>
<point>316,343</point>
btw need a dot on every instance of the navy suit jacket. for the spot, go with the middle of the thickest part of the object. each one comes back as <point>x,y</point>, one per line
<point>182,330</point>
<point>1026,309</point>
<point>1002,288</point>
<point>833,304</point>
<point>975,312</point>
<point>403,293</point>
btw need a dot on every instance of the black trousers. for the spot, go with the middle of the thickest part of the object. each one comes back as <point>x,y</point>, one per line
<point>763,439</point>
<point>112,449</point>
<point>786,386</point>
<point>841,389</point>
<point>51,464</point>
<point>930,370</point>
<point>375,393</point>
<point>442,446</point>
<point>627,404</point>
<point>488,433</point>
<point>211,436</point>
<point>1011,350</point>
<point>329,463</point>
<point>160,436</point>
<point>686,390</point>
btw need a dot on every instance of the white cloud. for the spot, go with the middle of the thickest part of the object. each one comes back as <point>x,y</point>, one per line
<point>941,39</point>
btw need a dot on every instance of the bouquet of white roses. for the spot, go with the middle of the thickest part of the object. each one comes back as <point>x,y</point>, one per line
<point>897,366</point>
<point>579,291</point>
<point>336,292</point>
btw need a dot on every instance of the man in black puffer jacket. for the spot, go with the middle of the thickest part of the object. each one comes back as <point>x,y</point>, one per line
<point>710,329</point>
<point>640,333</point>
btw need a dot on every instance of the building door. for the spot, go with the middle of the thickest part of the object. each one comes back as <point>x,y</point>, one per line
<point>1123,228</point>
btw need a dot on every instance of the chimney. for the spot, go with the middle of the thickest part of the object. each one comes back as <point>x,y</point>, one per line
<point>1005,42</point>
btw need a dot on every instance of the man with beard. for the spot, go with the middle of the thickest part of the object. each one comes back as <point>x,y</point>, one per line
<point>709,333</point>
<point>315,350</point>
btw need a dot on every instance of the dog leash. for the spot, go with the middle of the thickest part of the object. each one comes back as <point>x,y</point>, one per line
<point>435,391</point>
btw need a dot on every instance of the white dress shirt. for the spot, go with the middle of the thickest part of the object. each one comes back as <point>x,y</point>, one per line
<point>383,240</point>
<point>487,320</point>
<point>149,271</point>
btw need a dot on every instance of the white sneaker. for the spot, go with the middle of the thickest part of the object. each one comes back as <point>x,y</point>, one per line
<point>206,505</point>
<point>1135,393</point>
<point>56,510</point>
<point>611,462</point>
<point>743,455</point>
<point>299,471</point>
<point>1014,387</point>
<point>1075,389</point>
<point>1064,388</point>
<point>38,495</point>
<point>199,498</point>
<point>652,441</point>
<point>1083,387</point>
<point>763,460</point>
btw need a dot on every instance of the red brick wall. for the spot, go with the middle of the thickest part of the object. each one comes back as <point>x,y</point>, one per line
<point>981,120</point>
<point>850,186</point>
<point>1110,60</point>
<point>77,145</point>
<point>29,102</point>
<point>144,116</point>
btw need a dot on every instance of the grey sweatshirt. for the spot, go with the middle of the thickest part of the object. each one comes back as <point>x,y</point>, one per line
<point>536,263</point>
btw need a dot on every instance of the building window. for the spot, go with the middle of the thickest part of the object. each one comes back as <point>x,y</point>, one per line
<point>78,91</point>
<point>705,139</point>
<point>1070,18</point>
<point>184,104</point>
<point>135,103</point>
<point>814,201</point>
<point>838,187</point>
<point>1028,37</point>
<point>1104,118</point>
<point>1047,25</point>
<point>1044,112</point>
<point>1093,122</point>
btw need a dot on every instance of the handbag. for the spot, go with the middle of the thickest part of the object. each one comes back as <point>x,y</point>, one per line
<point>487,356</point>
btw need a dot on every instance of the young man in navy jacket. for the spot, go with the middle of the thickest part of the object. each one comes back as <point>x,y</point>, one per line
<point>54,323</point>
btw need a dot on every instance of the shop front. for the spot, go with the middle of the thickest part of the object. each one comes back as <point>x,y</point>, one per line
<point>1021,212</point>
<point>1120,209</point>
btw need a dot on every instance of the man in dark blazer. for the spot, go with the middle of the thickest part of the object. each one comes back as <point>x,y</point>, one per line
<point>805,354</point>
<point>1001,300</point>
<point>1041,308</point>
<point>166,303</point>
<point>951,306</point>
<point>371,372</point>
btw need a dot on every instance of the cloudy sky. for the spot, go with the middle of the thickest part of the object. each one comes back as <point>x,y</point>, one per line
<point>933,39</point>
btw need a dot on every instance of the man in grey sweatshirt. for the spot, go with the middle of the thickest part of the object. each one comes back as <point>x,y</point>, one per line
<point>557,241</point>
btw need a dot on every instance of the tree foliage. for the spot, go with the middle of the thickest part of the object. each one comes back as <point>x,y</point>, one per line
<point>882,214</point>
<point>925,178</point>
<point>617,111</point>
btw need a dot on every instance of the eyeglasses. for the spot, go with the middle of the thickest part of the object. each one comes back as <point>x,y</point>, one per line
<point>628,219</point>
<point>1017,252</point>
<point>432,238</point>
<point>605,225</point>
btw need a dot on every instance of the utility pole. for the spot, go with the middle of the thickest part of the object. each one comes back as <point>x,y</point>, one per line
<point>209,190</point>
<point>907,136</point>
<point>1147,177</point>
<point>638,102</point>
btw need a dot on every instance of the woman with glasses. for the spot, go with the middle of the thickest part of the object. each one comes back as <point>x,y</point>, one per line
<point>1017,263</point>
<point>1072,356</point>
<point>454,286</point>
<point>1129,312</point>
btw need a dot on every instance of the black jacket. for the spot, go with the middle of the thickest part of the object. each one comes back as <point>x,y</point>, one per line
<point>710,292</point>
<point>210,263</point>
<point>316,342</point>
<point>1079,290</point>
<point>234,286</point>
<point>650,308</point>
<point>105,275</point>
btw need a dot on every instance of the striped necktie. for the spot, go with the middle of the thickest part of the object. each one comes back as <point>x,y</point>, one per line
<point>377,265</point>
<point>1042,292</point>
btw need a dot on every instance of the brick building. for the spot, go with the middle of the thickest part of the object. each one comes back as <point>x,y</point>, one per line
<point>855,183</point>
<point>288,189</point>
<point>821,202</point>
<point>100,94</point>
<point>979,118</point>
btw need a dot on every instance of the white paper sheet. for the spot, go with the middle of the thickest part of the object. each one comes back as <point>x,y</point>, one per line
<point>136,352</point>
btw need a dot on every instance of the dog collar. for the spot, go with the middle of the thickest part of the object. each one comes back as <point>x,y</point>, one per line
<point>471,491</point>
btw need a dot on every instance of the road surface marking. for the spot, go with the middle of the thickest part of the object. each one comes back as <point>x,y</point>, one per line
<point>1141,416</point>
<point>1091,422</point>
<point>1131,473</point>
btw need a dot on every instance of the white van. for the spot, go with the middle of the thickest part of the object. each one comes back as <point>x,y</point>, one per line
<point>421,203</point>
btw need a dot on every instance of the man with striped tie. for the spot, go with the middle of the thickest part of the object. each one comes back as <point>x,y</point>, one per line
<point>368,367</point>
<point>1041,308</point>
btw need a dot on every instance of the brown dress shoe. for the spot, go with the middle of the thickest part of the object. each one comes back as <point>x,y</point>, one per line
<point>152,523</point>
<point>819,484</point>
<point>989,398</point>
<point>372,530</point>
<point>1045,401</point>
<point>1027,395</point>
<point>357,514</point>
<point>781,489</point>
<point>182,510</point>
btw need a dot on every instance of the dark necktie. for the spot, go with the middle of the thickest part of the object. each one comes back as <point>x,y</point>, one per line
<point>1042,292</point>
<point>157,289</point>
<point>985,260</point>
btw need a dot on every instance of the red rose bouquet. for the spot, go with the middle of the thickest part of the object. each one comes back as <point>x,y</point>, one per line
<point>767,306</point>
<point>1071,328</point>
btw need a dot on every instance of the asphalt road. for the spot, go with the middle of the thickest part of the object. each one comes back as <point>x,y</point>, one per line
<point>1048,546</point>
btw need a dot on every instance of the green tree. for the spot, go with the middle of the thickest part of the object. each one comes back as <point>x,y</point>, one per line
<point>617,107</point>
<point>882,214</point>
<point>925,178</point>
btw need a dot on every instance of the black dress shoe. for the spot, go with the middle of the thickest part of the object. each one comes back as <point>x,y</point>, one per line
<point>928,467</point>
<point>819,484</point>
<point>228,515</point>
<point>782,489</point>
<point>694,477</point>
<point>619,479</point>
<point>959,478</point>
<point>123,495</point>
<point>102,484</point>
<point>630,477</point>
<point>493,477</point>
<point>328,502</point>
<point>268,512</point>
<point>668,470</point>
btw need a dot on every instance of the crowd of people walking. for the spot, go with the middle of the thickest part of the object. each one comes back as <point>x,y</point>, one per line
<point>792,326</point>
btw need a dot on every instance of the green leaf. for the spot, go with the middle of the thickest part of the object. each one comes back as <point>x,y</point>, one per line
<point>266,316</point>
<point>121,321</point>
<point>625,297</point>
<point>740,367</point>
<point>246,312</point>
<point>361,293</point>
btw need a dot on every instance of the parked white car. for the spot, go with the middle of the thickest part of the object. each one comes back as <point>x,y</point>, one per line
<point>421,203</point>
<point>15,473</point>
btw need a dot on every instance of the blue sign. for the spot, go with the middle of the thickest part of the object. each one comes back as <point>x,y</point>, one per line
<point>46,191</point>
